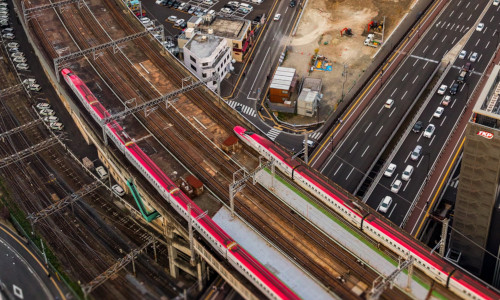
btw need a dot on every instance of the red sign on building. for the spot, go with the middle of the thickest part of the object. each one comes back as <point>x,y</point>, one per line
<point>485,134</point>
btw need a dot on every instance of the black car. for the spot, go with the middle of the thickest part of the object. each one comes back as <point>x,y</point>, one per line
<point>176,4</point>
<point>454,88</point>
<point>8,30</point>
<point>170,3</point>
<point>187,7</point>
<point>257,19</point>
<point>418,126</point>
<point>292,3</point>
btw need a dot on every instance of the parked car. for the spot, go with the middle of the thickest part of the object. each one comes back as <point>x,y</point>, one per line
<point>226,10</point>
<point>473,57</point>
<point>480,27</point>
<point>101,171</point>
<point>418,126</point>
<point>390,170</point>
<point>118,190</point>
<point>257,1</point>
<point>396,186</point>
<point>51,119</point>
<point>14,50</point>
<point>56,126</point>
<point>191,10</point>
<point>22,66</point>
<point>209,2</point>
<point>42,105</point>
<point>172,18</point>
<point>19,59</point>
<point>8,30</point>
<point>429,131</point>
<point>34,87</point>
<point>13,45</point>
<point>446,100</point>
<point>292,3</point>
<point>384,205</point>
<point>243,10</point>
<point>17,54</point>
<point>442,89</point>
<point>29,81</point>
<point>277,17</point>
<point>47,112</point>
<point>8,36</point>
<point>179,22</point>
<point>462,54</point>
<point>234,3</point>
<point>439,111</point>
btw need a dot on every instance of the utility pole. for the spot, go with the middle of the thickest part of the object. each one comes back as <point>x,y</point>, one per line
<point>306,147</point>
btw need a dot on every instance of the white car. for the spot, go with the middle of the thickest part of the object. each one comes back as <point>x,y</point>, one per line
<point>473,57</point>
<point>47,112</point>
<point>390,170</point>
<point>13,45</point>
<point>384,205</point>
<point>29,81</point>
<point>226,10</point>
<point>41,106</point>
<point>277,17</point>
<point>172,18</point>
<point>34,87</point>
<point>429,131</point>
<point>22,66</point>
<point>179,22</point>
<point>439,111</point>
<point>496,2</point>
<point>442,89</point>
<point>234,3</point>
<point>209,2</point>
<point>101,171</point>
<point>462,54</point>
<point>51,119</point>
<point>396,186</point>
<point>118,190</point>
<point>389,103</point>
<point>480,27</point>
<point>19,59</point>
<point>17,54</point>
<point>407,173</point>
<point>56,126</point>
<point>446,100</point>
<point>9,36</point>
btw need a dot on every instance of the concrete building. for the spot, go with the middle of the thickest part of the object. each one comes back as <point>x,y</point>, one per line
<point>282,85</point>
<point>237,33</point>
<point>206,55</point>
<point>477,206</point>
<point>307,103</point>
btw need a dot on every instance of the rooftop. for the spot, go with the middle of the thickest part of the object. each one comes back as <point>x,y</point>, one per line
<point>488,103</point>
<point>283,78</point>
<point>314,84</point>
<point>227,28</point>
<point>203,45</point>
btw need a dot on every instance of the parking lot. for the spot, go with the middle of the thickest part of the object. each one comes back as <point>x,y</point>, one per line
<point>162,12</point>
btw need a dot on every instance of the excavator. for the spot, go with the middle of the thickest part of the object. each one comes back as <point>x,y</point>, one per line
<point>346,31</point>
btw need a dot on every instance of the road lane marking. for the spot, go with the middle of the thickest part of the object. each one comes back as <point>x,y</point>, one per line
<point>352,149</point>
<point>380,110</point>
<point>433,53</point>
<point>453,42</point>
<point>470,16</point>
<point>349,174</point>
<point>379,130</point>
<point>453,103</point>
<point>415,80</point>
<point>405,76</point>
<point>407,157</point>
<point>485,47</point>
<point>368,126</point>
<point>425,48</point>
<point>477,42</point>
<point>434,36</point>
<point>425,65</point>
<point>404,95</point>
<point>407,184</point>
<point>460,15</point>
<point>442,122</point>
<point>492,17</point>
<point>338,169</point>
<point>392,210</point>
<point>392,112</point>
<point>419,161</point>
<point>260,68</point>
<point>415,62</point>
<point>419,136</point>
<point>442,41</point>
<point>394,91</point>
<point>479,58</point>
<point>432,140</point>
<point>365,151</point>
<point>451,14</point>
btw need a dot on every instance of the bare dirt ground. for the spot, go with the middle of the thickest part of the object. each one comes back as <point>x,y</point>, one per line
<point>322,22</point>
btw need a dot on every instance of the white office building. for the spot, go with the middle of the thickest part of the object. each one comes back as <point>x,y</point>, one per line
<point>206,55</point>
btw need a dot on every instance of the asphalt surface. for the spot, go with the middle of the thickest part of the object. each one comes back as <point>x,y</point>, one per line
<point>23,272</point>
<point>353,157</point>
<point>484,43</point>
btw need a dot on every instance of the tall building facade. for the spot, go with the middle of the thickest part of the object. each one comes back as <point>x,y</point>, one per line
<point>477,205</point>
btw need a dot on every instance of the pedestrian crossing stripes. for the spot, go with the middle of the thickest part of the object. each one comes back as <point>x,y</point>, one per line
<point>315,136</point>
<point>273,134</point>
<point>242,108</point>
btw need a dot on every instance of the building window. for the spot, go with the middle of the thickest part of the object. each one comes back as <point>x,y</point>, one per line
<point>214,82</point>
<point>192,59</point>
<point>204,64</point>
<point>204,75</point>
<point>235,45</point>
<point>283,92</point>
<point>193,67</point>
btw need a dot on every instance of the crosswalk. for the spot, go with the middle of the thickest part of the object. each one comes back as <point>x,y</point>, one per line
<point>452,26</point>
<point>244,109</point>
<point>315,136</point>
<point>273,134</point>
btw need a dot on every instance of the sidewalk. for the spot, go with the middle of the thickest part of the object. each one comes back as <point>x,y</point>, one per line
<point>445,163</point>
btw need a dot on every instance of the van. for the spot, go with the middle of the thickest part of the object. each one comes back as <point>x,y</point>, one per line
<point>461,76</point>
<point>415,155</point>
<point>101,171</point>
<point>407,173</point>
<point>389,103</point>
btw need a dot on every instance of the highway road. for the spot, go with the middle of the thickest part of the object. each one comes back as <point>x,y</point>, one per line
<point>484,43</point>
<point>23,273</point>
<point>354,155</point>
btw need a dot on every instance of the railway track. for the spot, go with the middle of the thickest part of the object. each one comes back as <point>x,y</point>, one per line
<point>117,70</point>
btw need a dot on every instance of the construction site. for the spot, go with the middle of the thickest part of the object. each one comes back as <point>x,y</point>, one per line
<point>347,34</point>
